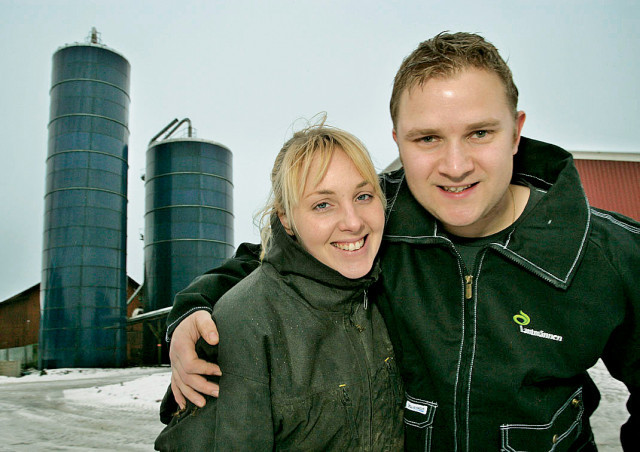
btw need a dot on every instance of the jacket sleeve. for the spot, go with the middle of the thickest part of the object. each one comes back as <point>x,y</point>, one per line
<point>240,419</point>
<point>206,290</point>
<point>622,352</point>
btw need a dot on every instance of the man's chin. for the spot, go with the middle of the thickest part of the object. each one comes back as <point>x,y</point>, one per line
<point>461,226</point>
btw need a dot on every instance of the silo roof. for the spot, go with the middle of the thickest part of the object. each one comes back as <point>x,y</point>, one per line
<point>188,140</point>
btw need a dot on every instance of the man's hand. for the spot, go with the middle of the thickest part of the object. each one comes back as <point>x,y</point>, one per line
<point>187,369</point>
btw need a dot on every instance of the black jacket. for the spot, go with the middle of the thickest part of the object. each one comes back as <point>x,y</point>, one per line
<point>506,368</point>
<point>498,359</point>
<point>307,363</point>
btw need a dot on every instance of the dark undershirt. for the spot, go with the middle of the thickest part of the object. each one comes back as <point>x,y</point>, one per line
<point>469,247</point>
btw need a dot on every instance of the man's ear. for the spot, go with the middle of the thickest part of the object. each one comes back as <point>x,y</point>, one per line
<point>285,223</point>
<point>395,138</point>
<point>520,117</point>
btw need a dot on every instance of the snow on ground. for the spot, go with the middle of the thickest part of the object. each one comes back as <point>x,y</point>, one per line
<point>75,374</point>
<point>141,389</point>
<point>98,410</point>
<point>145,392</point>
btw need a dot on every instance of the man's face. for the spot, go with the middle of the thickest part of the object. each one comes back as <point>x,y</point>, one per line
<point>457,137</point>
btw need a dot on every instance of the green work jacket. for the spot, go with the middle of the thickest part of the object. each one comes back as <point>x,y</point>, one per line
<point>306,362</point>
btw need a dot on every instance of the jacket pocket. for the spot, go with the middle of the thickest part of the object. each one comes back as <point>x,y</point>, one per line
<point>349,410</point>
<point>418,423</point>
<point>559,435</point>
<point>326,419</point>
<point>189,429</point>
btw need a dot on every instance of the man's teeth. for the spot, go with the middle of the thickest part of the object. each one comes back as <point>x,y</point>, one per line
<point>350,246</point>
<point>456,189</point>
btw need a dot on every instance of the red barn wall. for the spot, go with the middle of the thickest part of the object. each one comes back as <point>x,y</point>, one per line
<point>20,319</point>
<point>612,185</point>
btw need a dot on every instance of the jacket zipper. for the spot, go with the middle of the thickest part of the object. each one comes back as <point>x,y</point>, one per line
<point>466,364</point>
<point>361,353</point>
<point>461,433</point>
<point>393,376</point>
<point>369,377</point>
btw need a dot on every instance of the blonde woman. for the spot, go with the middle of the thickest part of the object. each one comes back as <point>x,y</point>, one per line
<point>307,363</point>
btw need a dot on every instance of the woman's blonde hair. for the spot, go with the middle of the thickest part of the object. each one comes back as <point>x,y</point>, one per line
<point>291,171</point>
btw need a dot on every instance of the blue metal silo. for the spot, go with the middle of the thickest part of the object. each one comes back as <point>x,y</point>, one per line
<point>188,214</point>
<point>83,289</point>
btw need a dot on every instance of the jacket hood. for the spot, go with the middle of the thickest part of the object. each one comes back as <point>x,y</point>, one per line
<point>319,284</point>
<point>549,241</point>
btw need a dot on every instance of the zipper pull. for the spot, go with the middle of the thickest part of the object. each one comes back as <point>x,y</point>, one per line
<point>468,287</point>
<point>366,301</point>
<point>346,400</point>
<point>352,320</point>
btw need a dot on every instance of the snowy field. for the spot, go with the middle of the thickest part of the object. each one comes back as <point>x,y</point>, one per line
<point>117,409</point>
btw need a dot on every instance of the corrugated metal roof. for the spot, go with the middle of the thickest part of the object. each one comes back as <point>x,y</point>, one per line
<point>612,185</point>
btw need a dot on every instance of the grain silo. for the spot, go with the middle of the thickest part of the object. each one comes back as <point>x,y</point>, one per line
<point>83,290</point>
<point>188,213</point>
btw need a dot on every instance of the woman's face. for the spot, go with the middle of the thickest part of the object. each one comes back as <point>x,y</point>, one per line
<point>339,221</point>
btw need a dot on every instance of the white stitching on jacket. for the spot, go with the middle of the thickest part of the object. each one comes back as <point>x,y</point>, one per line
<point>615,221</point>
<point>391,203</point>
<point>575,261</point>
<point>577,422</point>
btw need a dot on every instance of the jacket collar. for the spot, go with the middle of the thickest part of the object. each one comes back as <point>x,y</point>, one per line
<point>549,241</point>
<point>319,285</point>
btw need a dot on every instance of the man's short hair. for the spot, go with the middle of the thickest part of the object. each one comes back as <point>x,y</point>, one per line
<point>446,55</point>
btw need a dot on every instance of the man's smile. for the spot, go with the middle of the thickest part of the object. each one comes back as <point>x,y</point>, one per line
<point>459,189</point>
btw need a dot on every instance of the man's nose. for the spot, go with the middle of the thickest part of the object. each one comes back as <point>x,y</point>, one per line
<point>456,161</point>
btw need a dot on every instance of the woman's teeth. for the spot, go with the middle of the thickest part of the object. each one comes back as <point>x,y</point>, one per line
<point>352,246</point>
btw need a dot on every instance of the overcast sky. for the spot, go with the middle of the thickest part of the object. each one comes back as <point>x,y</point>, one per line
<point>245,72</point>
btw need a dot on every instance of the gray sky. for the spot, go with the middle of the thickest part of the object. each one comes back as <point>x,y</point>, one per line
<point>245,72</point>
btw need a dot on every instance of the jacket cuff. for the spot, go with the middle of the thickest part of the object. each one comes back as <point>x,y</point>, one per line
<point>173,325</point>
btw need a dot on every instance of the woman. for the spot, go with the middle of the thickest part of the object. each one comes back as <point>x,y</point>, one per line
<point>307,362</point>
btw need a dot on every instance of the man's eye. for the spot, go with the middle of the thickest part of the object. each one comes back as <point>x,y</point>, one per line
<point>481,133</point>
<point>429,139</point>
<point>321,206</point>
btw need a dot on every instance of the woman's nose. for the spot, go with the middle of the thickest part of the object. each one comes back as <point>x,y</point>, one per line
<point>351,219</point>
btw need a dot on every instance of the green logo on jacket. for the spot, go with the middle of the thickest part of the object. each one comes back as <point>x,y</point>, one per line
<point>521,319</point>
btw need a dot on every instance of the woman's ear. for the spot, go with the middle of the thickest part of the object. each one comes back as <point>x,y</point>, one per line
<point>285,223</point>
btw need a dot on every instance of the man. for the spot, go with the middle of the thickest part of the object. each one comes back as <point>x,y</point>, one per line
<point>500,285</point>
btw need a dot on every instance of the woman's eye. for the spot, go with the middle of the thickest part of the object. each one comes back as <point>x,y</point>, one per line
<point>364,197</point>
<point>321,206</point>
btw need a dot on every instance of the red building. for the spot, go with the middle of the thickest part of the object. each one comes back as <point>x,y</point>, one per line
<point>611,180</point>
<point>20,319</point>
<point>20,324</point>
